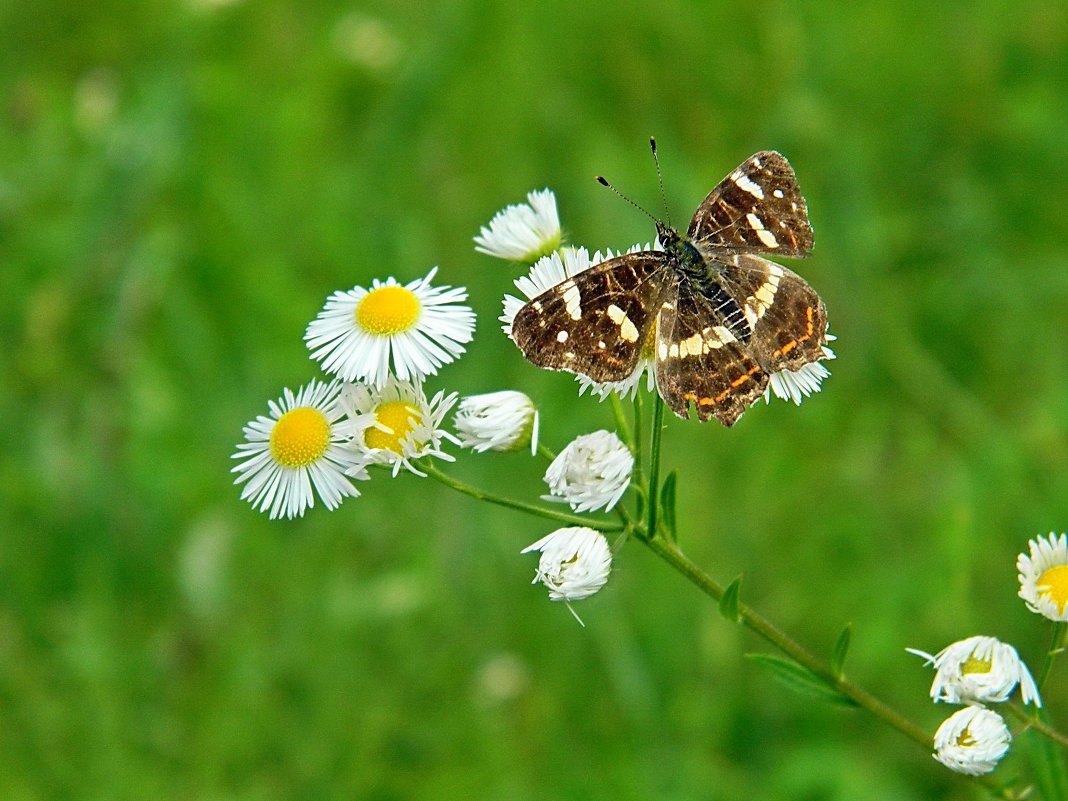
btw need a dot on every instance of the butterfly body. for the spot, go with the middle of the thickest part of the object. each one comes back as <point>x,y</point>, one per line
<point>716,318</point>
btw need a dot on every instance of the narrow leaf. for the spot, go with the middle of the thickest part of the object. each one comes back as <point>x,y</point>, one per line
<point>841,648</point>
<point>801,679</point>
<point>667,502</point>
<point>728,604</point>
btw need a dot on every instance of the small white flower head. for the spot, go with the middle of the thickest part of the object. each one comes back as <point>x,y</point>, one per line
<point>591,473</point>
<point>796,385</point>
<point>575,563</point>
<point>523,232</point>
<point>979,670</point>
<point>1043,575</point>
<point>497,421</point>
<point>397,424</point>
<point>300,445</point>
<point>414,329</point>
<point>972,741</point>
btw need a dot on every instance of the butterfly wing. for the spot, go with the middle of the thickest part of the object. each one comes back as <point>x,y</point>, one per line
<point>786,318</point>
<point>596,322</point>
<point>758,208</point>
<point>699,360</point>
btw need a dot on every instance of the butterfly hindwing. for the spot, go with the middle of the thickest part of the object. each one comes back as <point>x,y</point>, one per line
<point>595,322</point>
<point>758,208</point>
<point>788,320</point>
<point>699,360</point>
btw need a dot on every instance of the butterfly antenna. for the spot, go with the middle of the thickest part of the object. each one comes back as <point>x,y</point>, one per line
<point>660,179</point>
<point>604,182</point>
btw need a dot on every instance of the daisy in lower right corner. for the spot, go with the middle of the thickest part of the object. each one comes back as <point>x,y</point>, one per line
<point>302,444</point>
<point>396,425</point>
<point>1043,575</point>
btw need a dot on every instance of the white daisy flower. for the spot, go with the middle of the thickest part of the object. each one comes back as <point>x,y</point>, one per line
<point>497,421</point>
<point>301,445</point>
<point>415,328</point>
<point>397,424</point>
<point>523,232</point>
<point>979,670</point>
<point>591,473</point>
<point>1043,576</point>
<point>796,385</point>
<point>575,563</point>
<point>972,741</point>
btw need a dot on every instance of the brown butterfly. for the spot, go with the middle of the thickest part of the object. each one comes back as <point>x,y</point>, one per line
<point>718,318</point>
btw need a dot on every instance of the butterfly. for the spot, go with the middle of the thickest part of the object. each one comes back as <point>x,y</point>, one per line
<point>714,315</point>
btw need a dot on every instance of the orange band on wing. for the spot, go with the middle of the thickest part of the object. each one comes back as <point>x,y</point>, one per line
<point>789,346</point>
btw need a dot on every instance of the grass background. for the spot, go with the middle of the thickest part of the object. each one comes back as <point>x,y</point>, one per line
<point>181,186</point>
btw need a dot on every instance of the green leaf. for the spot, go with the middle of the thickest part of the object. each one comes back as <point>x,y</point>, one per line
<point>801,679</point>
<point>728,604</point>
<point>841,648</point>
<point>667,503</point>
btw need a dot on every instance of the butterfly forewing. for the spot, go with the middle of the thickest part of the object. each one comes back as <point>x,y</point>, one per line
<point>700,362</point>
<point>595,322</point>
<point>758,208</point>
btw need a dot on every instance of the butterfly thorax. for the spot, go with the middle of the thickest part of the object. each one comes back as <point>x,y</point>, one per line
<point>685,256</point>
<point>702,276</point>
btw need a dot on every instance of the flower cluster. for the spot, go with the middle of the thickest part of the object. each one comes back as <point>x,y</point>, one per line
<point>979,671</point>
<point>379,343</point>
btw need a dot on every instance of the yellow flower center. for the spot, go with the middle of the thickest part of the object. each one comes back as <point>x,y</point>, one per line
<point>300,437</point>
<point>388,310</point>
<point>965,739</point>
<point>1053,584</point>
<point>399,417</point>
<point>974,665</point>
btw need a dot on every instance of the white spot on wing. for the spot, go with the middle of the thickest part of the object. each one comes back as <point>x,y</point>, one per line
<point>746,184</point>
<point>561,337</point>
<point>768,238</point>
<point>724,334</point>
<point>572,300</point>
<point>627,330</point>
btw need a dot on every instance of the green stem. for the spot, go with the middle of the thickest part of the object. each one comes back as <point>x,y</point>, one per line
<point>668,551</point>
<point>546,452</point>
<point>638,445</point>
<point>1056,643</point>
<point>529,508</point>
<point>621,422</point>
<point>654,466</point>
<point>1035,722</point>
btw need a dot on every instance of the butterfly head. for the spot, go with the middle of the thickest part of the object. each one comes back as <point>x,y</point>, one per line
<point>669,237</point>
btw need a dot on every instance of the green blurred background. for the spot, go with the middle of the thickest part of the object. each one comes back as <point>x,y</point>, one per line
<point>183,183</point>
